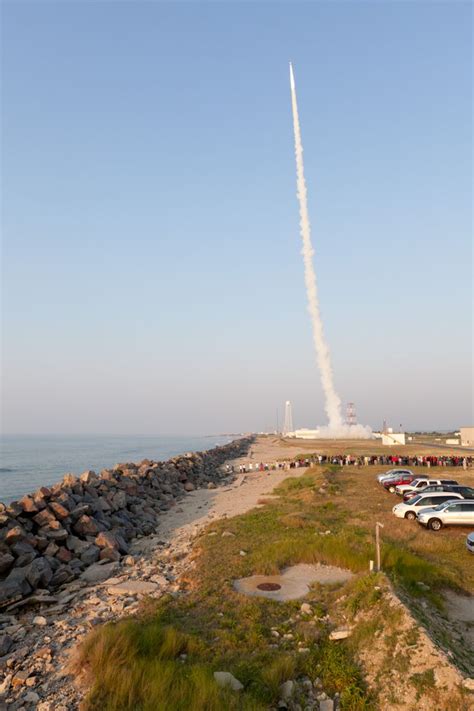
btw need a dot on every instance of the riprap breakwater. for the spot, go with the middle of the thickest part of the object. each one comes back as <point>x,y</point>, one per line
<point>52,536</point>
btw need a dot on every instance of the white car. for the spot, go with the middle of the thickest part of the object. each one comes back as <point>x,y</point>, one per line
<point>470,542</point>
<point>393,472</point>
<point>422,501</point>
<point>451,513</point>
<point>421,483</point>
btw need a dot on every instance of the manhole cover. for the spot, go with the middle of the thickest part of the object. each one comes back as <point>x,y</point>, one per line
<point>269,586</point>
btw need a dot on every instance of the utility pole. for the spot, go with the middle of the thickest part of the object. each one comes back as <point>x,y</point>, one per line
<point>378,526</point>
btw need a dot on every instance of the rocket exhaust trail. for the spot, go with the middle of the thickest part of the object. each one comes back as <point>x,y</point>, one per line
<point>332,399</point>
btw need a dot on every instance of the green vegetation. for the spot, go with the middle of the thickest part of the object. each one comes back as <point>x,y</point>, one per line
<point>138,665</point>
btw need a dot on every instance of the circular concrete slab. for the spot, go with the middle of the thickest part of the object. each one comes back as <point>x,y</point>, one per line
<point>293,583</point>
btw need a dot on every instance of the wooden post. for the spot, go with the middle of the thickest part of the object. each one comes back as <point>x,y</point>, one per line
<point>377,543</point>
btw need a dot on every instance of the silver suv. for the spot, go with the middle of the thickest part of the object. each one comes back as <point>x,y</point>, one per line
<point>451,513</point>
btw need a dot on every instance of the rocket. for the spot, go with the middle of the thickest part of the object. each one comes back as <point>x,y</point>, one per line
<point>292,78</point>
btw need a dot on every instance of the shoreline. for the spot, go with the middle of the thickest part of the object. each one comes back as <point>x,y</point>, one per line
<point>29,462</point>
<point>34,672</point>
<point>55,534</point>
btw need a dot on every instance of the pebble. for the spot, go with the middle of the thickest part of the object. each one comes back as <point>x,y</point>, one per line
<point>32,697</point>
<point>40,621</point>
<point>286,689</point>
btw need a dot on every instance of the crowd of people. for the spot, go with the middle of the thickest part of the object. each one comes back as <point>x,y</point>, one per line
<point>391,460</point>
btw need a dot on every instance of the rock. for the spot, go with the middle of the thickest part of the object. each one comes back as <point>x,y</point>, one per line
<point>226,679</point>
<point>54,533</point>
<point>62,575</point>
<point>14,587</point>
<point>468,684</point>
<point>132,587</point>
<point>306,609</point>
<point>243,554</point>
<point>286,690</point>
<point>189,486</point>
<point>39,573</point>
<point>97,573</point>
<point>14,534</point>
<point>342,633</point>
<point>64,555</point>
<point>105,539</point>
<point>40,621</point>
<point>60,511</point>
<point>326,705</point>
<point>20,678</point>
<point>51,549</point>
<point>6,562</point>
<point>228,534</point>
<point>69,480</point>
<point>80,511</point>
<point>44,517</point>
<point>129,560</point>
<point>88,477</point>
<point>275,633</point>
<point>86,526</point>
<point>32,697</point>
<point>90,555</point>
<point>5,684</point>
<point>28,504</point>
<point>5,644</point>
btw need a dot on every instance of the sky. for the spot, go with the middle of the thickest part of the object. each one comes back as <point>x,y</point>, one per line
<point>153,280</point>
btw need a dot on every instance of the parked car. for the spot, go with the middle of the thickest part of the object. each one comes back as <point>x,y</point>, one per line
<point>467,492</point>
<point>393,472</point>
<point>470,542</point>
<point>422,501</point>
<point>391,483</point>
<point>419,483</point>
<point>450,513</point>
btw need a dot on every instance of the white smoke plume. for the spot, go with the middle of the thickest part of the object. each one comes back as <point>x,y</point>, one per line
<point>336,426</point>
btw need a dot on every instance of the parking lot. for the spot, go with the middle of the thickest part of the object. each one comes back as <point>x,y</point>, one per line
<point>369,503</point>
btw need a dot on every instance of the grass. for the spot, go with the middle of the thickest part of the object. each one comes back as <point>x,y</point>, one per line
<point>139,664</point>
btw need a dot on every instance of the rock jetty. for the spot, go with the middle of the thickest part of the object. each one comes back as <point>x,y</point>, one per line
<point>76,527</point>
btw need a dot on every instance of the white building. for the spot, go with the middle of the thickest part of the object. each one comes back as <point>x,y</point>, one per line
<point>304,434</point>
<point>393,438</point>
<point>467,436</point>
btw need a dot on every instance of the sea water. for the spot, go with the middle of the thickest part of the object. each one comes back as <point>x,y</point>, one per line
<point>30,461</point>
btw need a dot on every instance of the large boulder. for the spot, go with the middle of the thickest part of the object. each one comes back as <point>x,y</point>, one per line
<point>6,562</point>
<point>44,517</point>
<point>86,526</point>
<point>14,534</point>
<point>39,573</point>
<point>90,555</point>
<point>24,553</point>
<point>60,511</point>
<point>28,505</point>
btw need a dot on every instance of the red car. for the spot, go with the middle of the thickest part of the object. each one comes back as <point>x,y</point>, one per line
<point>394,481</point>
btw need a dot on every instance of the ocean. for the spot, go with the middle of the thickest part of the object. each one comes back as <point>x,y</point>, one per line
<point>30,461</point>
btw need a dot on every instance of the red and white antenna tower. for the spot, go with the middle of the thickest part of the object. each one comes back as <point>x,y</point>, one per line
<point>351,417</point>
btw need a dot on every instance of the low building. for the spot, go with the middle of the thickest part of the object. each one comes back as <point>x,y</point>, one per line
<point>452,441</point>
<point>393,438</point>
<point>304,434</point>
<point>467,436</point>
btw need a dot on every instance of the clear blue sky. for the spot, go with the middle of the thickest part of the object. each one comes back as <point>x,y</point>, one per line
<point>153,276</point>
